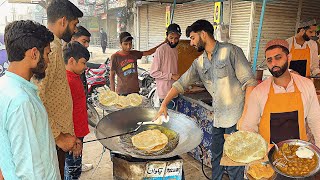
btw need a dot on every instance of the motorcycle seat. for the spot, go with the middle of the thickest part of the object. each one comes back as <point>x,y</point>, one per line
<point>93,65</point>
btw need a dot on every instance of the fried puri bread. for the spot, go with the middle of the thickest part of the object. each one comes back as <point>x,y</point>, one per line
<point>123,102</point>
<point>260,171</point>
<point>108,98</point>
<point>134,99</point>
<point>245,147</point>
<point>150,140</point>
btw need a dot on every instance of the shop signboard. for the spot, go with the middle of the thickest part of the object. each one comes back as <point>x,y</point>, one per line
<point>168,16</point>
<point>217,14</point>
<point>116,3</point>
<point>93,25</point>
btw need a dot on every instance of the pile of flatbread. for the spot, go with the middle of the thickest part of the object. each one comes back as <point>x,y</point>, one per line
<point>110,98</point>
<point>245,147</point>
<point>150,140</point>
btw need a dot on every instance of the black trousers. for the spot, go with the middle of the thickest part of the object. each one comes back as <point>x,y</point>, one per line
<point>104,49</point>
<point>61,159</point>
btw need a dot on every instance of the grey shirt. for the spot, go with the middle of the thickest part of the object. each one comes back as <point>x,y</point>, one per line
<point>225,77</point>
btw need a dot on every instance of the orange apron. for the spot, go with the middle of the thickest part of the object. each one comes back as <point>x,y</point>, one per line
<point>301,60</point>
<point>283,117</point>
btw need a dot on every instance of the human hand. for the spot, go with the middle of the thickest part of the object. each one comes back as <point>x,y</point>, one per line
<point>239,123</point>
<point>1,176</point>
<point>175,77</point>
<point>77,148</point>
<point>65,141</point>
<point>162,111</point>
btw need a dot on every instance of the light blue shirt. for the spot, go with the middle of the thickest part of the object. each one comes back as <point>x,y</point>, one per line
<point>27,147</point>
<point>225,76</point>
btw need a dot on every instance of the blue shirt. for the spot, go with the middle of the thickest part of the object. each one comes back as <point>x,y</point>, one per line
<point>27,148</point>
<point>225,77</point>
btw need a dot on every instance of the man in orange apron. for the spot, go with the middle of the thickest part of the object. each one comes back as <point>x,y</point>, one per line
<point>280,107</point>
<point>304,50</point>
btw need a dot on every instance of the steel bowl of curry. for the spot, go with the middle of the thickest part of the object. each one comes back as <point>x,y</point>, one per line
<point>295,158</point>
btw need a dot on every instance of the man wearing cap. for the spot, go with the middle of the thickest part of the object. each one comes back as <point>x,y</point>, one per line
<point>164,66</point>
<point>124,64</point>
<point>282,106</point>
<point>304,50</point>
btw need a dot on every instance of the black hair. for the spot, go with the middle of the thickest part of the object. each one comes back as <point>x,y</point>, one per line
<point>82,32</point>
<point>75,50</point>
<point>200,25</point>
<point>123,35</point>
<point>62,8</point>
<point>22,35</point>
<point>284,49</point>
<point>305,28</point>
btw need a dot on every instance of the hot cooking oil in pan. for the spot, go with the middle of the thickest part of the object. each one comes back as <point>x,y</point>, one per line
<point>173,140</point>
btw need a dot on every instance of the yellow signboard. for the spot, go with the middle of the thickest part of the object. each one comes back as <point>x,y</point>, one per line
<point>168,16</point>
<point>217,14</point>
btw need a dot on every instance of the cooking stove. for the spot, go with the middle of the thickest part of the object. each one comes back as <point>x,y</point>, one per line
<point>129,168</point>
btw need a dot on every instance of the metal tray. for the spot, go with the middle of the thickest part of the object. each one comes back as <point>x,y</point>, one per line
<point>145,103</point>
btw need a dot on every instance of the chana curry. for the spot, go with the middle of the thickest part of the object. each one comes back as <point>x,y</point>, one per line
<point>289,163</point>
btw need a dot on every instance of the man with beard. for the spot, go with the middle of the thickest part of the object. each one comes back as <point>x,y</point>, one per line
<point>54,89</point>
<point>282,106</point>
<point>226,74</point>
<point>304,50</point>
<point>164,66</point>
<point>27,146</point>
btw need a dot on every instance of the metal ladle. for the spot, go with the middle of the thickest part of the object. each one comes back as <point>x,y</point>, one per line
<point>277,149</point>
<point>133,131</point>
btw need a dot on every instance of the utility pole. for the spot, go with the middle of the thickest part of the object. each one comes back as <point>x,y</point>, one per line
<point>13,11</point>
<point>3,2</point>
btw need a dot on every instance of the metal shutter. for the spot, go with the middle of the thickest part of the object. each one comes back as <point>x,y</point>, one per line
<point>152,20</point>
<point>310,9</point>
<point>143,28</point>
<point>240,24</point>
<point>157,24</point>
<point>279,23</point>
<point>186,14</point>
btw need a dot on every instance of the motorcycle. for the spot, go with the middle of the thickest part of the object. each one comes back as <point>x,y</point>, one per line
<point>97,75</point>
<point>148,86</point>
